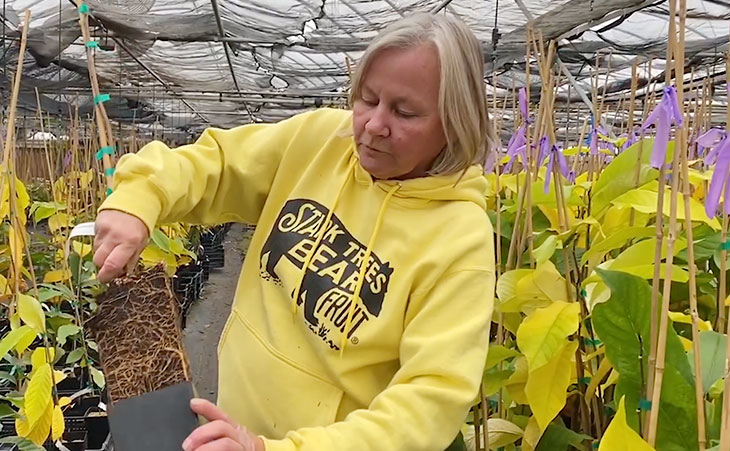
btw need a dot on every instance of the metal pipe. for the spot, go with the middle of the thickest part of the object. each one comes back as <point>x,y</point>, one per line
<point>222,33</point>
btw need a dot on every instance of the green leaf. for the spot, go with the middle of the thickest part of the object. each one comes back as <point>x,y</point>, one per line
<point>559,438</point>
<point>622,323</point>
<point>712,357</point>
<point>7,411</point>
<point>75,355</point>
<point>499,353</point>
<point>12,338</point>
<point>619,176</point>
<point>23,443</point>
<point>66,331</point>
<point>47,291</point>
<point>161,240</point>
<point>43,210</point>
<point>546,250</point>
<point>97,376</point>
<point>458,444</point>
<point>495,379</point>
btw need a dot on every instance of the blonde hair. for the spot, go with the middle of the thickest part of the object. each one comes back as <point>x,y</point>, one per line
<point>470,135</point>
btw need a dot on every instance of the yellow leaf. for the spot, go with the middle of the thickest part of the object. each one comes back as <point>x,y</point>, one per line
<point>26,340</point>
<point>31,312</point>
<point>642,253</point>
<point>602,371</point>
<point>532,435</point>
<point>543,334</point>
<point>58,376</point>
<point>38,357</point>
<point>59,220</point>
<point>507,283</point>
<point>16,243</point>
<point>679,317</point>
<point>536,289</point>
<point>153,255</point>
<point>546,250</point>
<point>11,339</point>
<point>57,425</point>
<point>516,382</point>
<point>547,385</point>
<point>502,432</point>
<point>38,395</point>
<point>38,434</point>
<point>80,248</point>
<point>57,275</point>
<point>63,401</point>
<point>4,288</point>
<point>645,201</point>
<point>612,379</point>
<point>620,436</point>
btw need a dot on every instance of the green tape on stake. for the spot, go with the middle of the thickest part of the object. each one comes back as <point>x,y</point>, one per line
<point>108,191</point>
<point>84,8</point>
<point>725,246</point>
<point>92,45</point>
<point>107,150</point>
<point>101,98</point>
<point>592,342</point>
<point>644,404</point>
<point>583,293</point>
<point>585,380</point>
<point>109,172</point>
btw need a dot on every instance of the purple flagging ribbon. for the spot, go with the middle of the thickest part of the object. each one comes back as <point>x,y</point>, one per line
<point>717,140</point>
<point>631,138</point>
<point>518,142</point>
<point>662,117</point>
<point>553,154</point>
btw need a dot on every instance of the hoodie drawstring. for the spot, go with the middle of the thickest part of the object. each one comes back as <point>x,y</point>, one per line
<point>364,266</point>
<point>318,240</point>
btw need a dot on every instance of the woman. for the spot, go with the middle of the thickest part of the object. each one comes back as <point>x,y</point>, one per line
<point>361,315</point>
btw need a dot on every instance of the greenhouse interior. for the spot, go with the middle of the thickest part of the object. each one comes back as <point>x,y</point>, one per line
<point>603,219</point>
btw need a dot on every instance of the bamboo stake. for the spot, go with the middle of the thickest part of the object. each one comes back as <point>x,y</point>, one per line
<point>102,120</point>
<point>671,239</point>
<point>684,157</point>
<point>725,419</point>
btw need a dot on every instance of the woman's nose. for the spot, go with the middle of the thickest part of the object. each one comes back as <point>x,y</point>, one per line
<point>377,123</point>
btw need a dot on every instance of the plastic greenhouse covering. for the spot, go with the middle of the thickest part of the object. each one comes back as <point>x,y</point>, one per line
<point>187,64</point>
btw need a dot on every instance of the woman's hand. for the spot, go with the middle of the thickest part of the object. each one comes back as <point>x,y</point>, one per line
<point>120,239</point>
<point>220,434</point>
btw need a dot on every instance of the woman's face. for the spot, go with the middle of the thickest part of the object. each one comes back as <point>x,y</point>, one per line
<point>396,119</point>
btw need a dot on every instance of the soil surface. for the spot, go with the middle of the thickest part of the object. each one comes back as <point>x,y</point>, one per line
<point>208,315</point>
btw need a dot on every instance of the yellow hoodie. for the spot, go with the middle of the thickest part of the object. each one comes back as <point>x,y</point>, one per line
<point>395,370</point>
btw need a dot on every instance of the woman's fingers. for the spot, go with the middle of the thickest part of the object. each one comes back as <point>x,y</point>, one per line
<point>119,240</point>
<point>214,431</point>
<point>223,444</point>
<point>208,410</point>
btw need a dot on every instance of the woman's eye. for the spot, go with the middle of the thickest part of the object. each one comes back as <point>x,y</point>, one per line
<point>370,102</point>
<point>406,114</point>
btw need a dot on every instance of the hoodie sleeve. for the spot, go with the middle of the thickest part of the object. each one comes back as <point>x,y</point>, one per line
<point>443,351</point>
<point>226,175</point>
